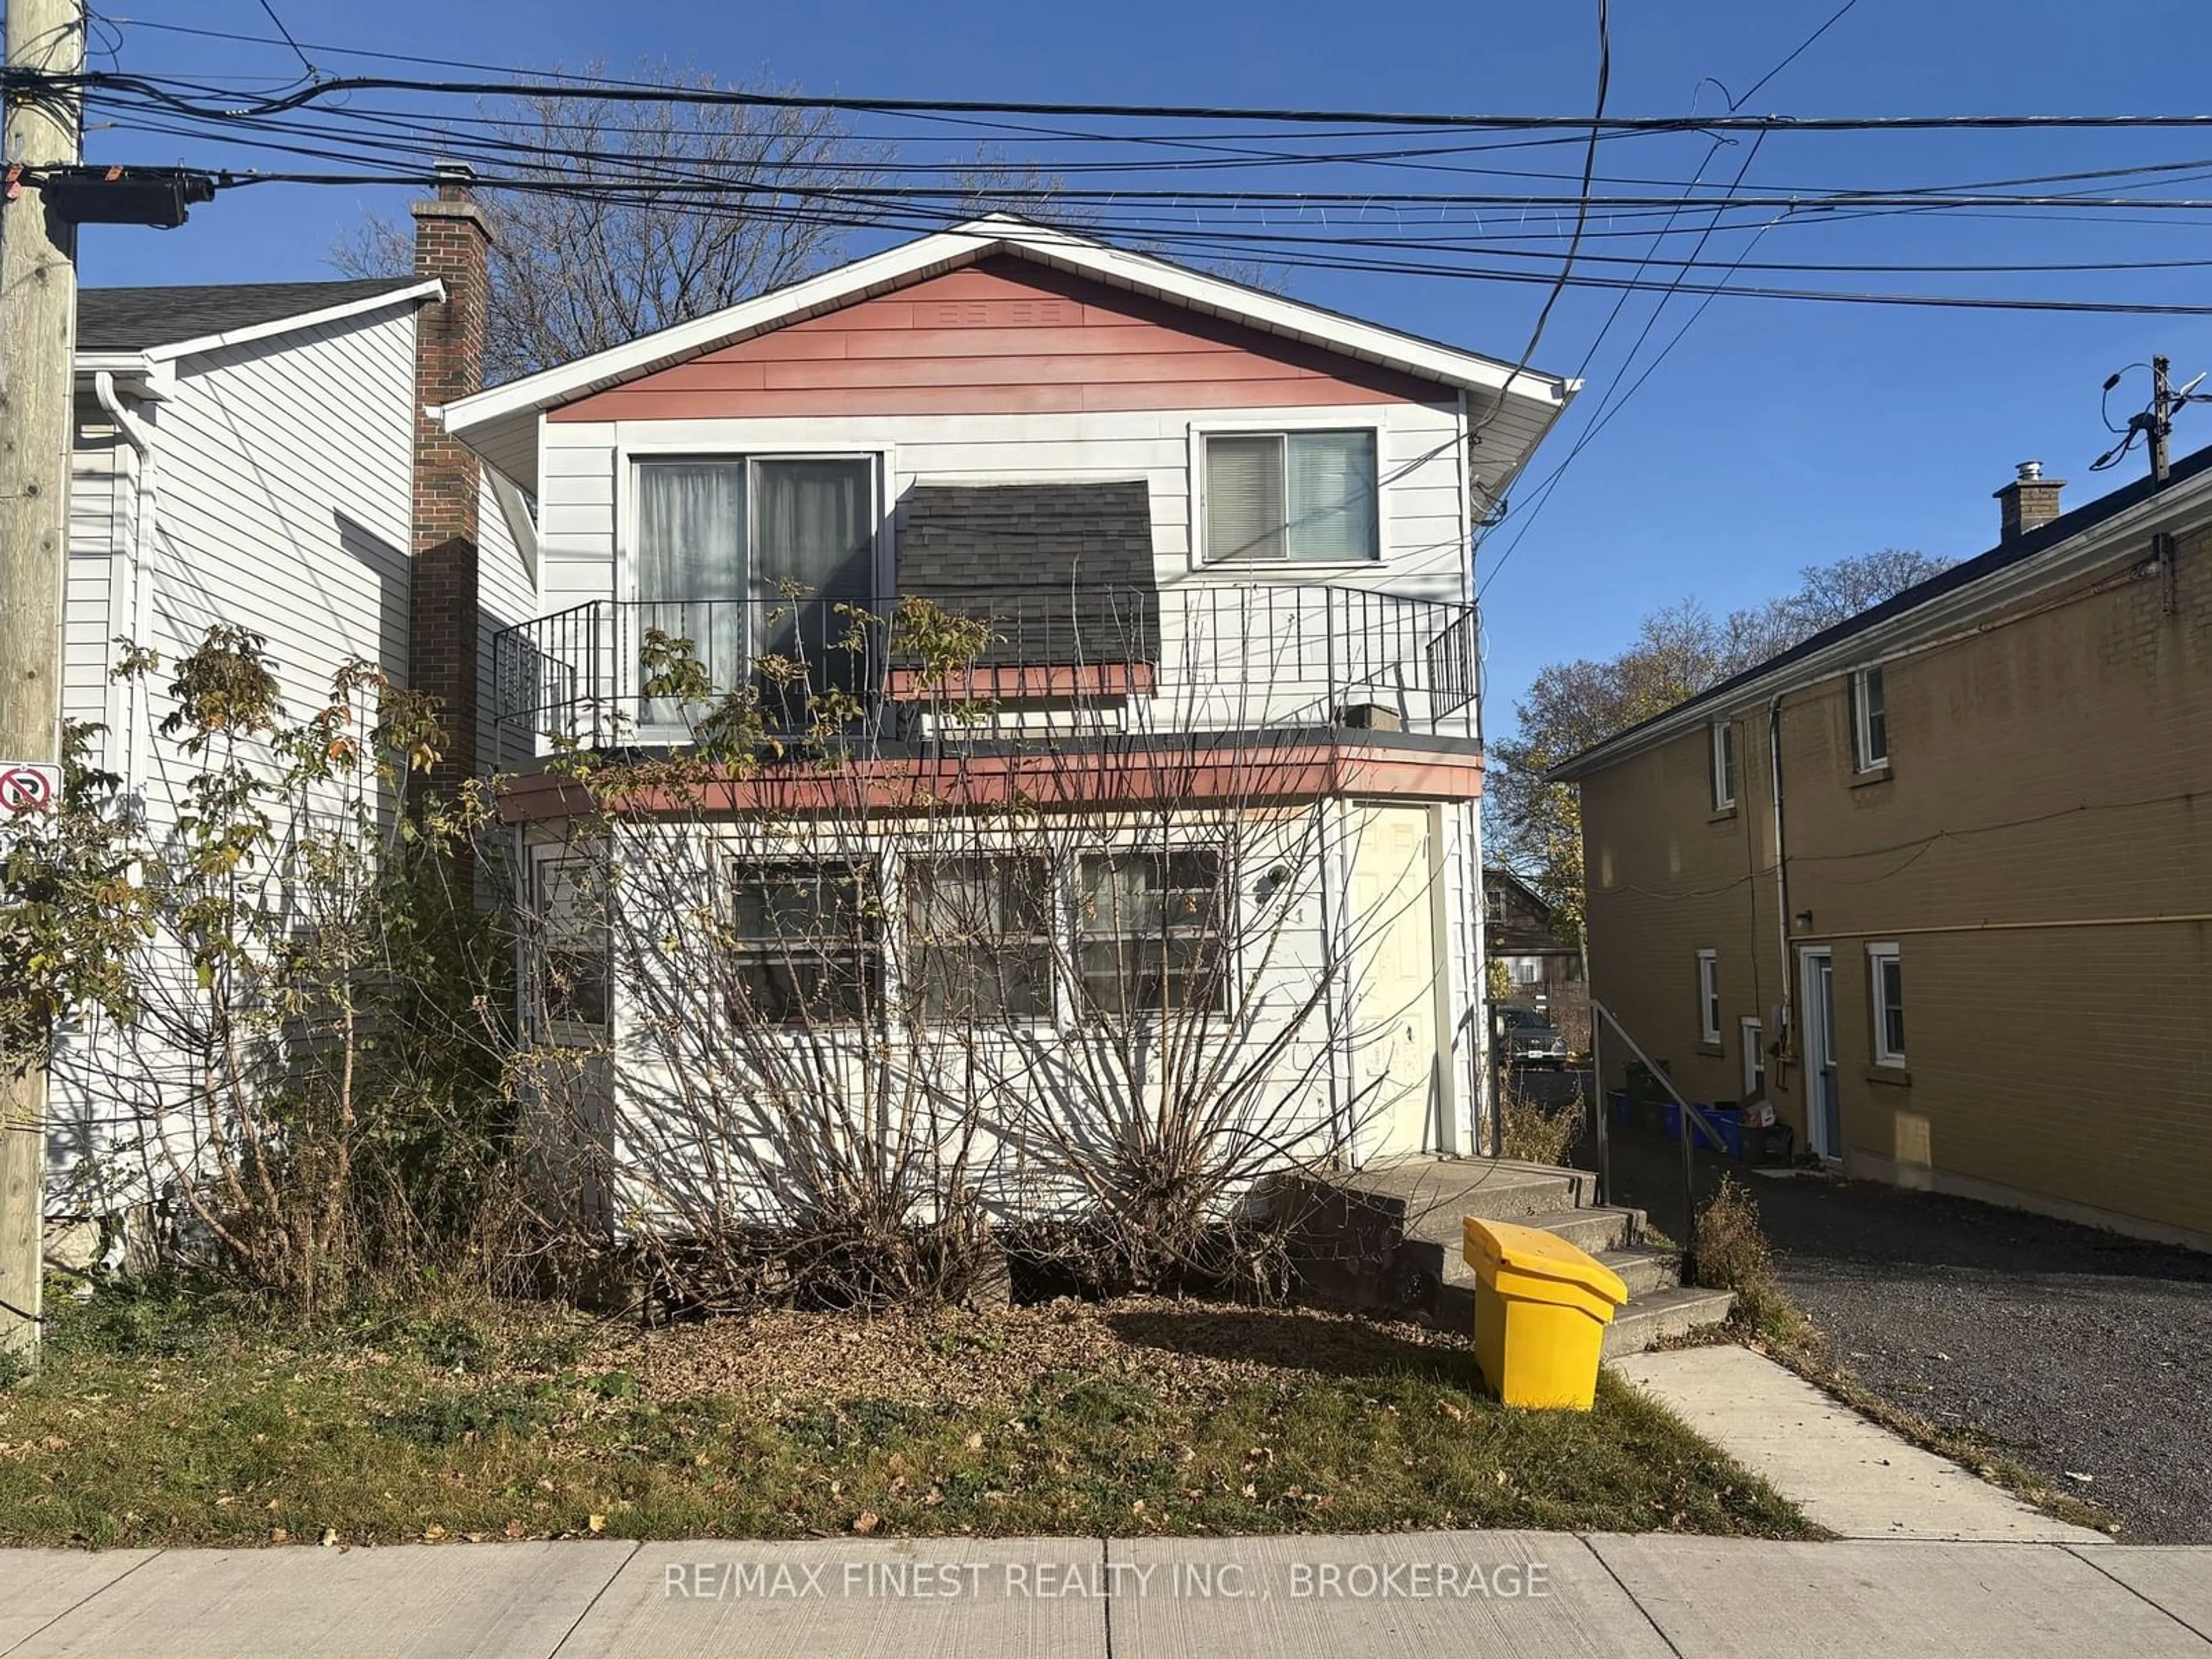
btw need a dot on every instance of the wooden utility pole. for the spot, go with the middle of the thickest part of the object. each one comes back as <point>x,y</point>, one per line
<point>37,336</point>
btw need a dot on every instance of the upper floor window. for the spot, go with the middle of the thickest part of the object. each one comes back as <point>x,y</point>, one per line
<point>1297,496</point>
<point>748,557</point>
<point>1888,992</point>
<point>1869,722</point>
<point>1709,996</point>
<point>1723,765</point>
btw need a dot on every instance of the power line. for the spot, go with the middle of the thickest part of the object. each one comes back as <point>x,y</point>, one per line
<point>622,91</point>
<point>288,40</point>
<point>1582,223</point>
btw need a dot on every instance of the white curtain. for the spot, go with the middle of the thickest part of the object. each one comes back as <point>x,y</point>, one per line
<point>691,554</point>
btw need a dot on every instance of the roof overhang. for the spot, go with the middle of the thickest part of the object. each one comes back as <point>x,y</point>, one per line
<point>1914,628</point>
<point>502,424</point>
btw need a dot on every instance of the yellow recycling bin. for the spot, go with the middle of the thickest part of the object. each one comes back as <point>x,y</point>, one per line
<point>1540,1309</point>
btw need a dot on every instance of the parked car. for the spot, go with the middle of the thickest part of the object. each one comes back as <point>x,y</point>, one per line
<point>1526,1037</point>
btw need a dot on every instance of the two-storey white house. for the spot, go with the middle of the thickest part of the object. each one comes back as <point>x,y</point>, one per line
<point>1218,544</point>
<point>254,455</point>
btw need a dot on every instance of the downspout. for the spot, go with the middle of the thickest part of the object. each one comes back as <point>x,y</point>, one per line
<point>141,535</point>
<point>1785,1039</point>
<point>1482,1113</point>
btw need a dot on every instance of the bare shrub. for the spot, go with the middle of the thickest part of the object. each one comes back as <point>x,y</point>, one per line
<point>1533,1130</point>
<point>854,1008</point>
<point>1732,1253</point>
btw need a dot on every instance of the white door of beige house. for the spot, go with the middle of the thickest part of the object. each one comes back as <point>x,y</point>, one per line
<point>1823,1104</point>
<point>1396,1068</point>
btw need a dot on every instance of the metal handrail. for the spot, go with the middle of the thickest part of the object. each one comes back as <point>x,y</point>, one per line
<point>1244,655</point>
<point>1690,1111</point>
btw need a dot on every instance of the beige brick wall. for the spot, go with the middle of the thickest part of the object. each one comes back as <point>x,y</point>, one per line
<point>2054,770</point>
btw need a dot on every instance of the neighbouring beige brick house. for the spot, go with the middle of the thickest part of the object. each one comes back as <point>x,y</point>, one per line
<point>1970,948</point>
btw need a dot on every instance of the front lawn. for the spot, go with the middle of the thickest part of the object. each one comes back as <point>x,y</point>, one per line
<point>160,1422</point>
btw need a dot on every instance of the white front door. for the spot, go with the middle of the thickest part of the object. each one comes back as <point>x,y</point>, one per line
<point>1397,1068</point>
<point>1823,1108</point>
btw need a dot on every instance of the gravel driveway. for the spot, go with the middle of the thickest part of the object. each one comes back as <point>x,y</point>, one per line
<point>2075,1352</point>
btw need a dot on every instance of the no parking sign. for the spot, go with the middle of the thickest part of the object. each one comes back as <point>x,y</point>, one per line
<point>29,786</point>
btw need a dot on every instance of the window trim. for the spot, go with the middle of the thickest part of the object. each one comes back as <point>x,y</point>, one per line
<point>1286,423</point>
<point>1709,997</point>
<point>1863,759</point>
<point>1878,955</point>
<point>1723,739</point>
<point>1751,1036</point>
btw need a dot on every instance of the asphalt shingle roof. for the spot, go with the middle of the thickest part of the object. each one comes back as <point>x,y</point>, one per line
<point>139,318</point>
<point>1064,570</point>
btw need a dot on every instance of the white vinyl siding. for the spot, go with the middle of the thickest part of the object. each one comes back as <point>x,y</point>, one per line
<point>286,499</point>
<point>1422,525</point>
<point>102,528</point>
<point>506,594</point>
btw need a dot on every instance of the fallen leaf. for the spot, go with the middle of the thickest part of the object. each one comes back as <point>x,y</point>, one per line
<point>974,1442</point>
<point>597,1524</point>
<point>865,1523</point>
<point>278,1535</point>
<point>329,1538</point>
<point>431,1535</point>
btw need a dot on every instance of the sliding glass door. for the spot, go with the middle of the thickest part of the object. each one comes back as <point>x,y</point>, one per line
<point>749,558</point>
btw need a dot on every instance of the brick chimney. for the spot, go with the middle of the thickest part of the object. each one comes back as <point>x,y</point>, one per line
<point>453,245</point>
<point>2028,502</point>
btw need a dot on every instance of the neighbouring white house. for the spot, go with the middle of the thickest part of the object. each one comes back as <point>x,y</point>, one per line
<point>256,455</point>
<point>1212,763</point>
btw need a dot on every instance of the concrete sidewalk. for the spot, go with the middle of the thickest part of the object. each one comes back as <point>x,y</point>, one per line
<point>1849,1475</point>
<point>1344,1597</point>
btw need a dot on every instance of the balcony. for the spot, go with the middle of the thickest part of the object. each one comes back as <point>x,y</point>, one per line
<point>1102,662</point>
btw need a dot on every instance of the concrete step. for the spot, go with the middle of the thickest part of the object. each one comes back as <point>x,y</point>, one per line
<point>1652,1319</point>
<point>1645,1270</point>
<point>1648,1273</point>
<point>1438,1245</point>
<point>1496,1189</point>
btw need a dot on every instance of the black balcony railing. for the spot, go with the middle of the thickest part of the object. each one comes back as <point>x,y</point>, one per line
<point>1190,659</point>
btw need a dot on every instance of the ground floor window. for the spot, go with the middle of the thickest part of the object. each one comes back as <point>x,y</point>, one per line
<point>808,940</point>
<point>1888,974</point>
<point>1151,929</point>
<point>569,914</point>
<point>979,933</point>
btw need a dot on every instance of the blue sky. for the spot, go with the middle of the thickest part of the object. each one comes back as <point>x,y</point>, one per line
<point>1776,434</point>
